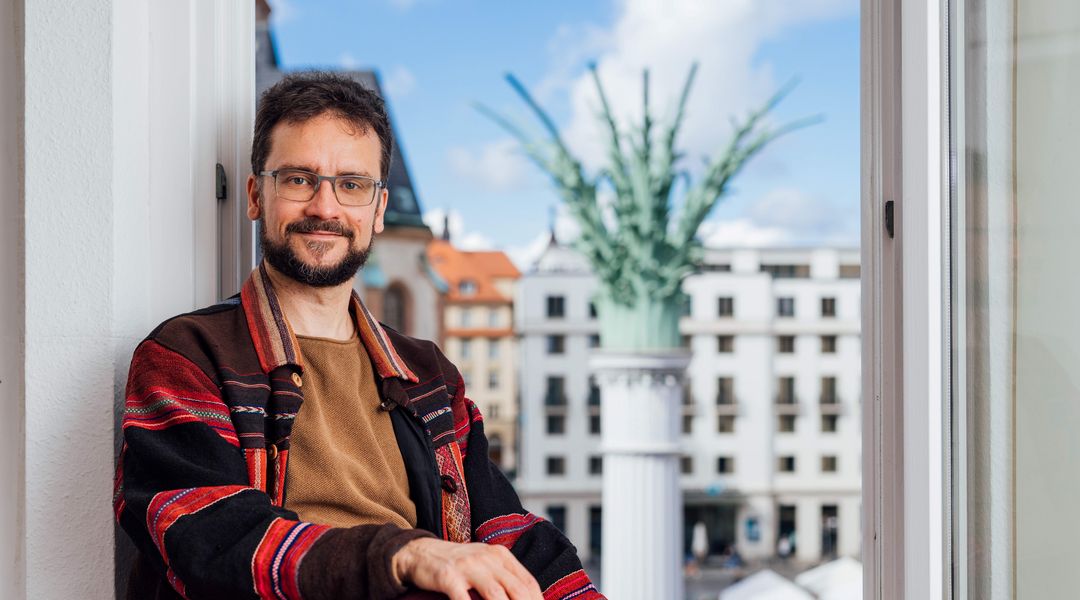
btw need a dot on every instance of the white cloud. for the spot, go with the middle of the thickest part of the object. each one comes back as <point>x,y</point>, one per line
<point>567,232</point>
<point>741,233</point>
<point>347,61</point>
<point>282,11</point>
<point>666,38</point>
<point>399,81</point>
<point>436,219</point>
<point>496,167</point>
<point>785,217</point>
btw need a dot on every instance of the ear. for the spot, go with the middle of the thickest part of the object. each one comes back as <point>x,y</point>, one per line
<point>380,210</point>
<point>254,206</point>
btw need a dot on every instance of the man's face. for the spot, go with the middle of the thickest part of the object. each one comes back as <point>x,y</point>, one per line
<point>320,242</point>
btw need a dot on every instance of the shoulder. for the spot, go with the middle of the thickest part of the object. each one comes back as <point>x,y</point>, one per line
<point>208,337</point>
<point>423,357</point>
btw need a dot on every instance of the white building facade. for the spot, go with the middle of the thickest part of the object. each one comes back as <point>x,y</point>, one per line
<point>771,422</point>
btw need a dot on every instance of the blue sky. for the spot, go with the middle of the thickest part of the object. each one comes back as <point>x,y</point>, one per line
<point>436,58</point>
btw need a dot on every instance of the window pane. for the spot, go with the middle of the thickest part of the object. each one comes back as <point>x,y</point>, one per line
<point>1016,330</point>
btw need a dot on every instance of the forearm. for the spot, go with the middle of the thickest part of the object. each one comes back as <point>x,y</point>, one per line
<point>355,563</point>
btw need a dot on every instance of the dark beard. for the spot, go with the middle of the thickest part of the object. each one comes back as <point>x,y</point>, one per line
<point>281,256</point>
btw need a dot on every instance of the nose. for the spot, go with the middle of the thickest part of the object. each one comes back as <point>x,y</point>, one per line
<point>324,204</point>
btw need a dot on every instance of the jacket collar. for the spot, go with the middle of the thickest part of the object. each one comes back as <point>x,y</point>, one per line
<point>276,344</point>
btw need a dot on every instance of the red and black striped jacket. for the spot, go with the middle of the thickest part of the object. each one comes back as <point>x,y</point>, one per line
<point>210,403</point>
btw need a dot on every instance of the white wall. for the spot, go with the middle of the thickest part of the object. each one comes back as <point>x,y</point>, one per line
<point>68,299</point>
<point>117,228</point>
<point>12,547</point>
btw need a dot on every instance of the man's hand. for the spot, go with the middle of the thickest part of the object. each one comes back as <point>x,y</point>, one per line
<point>454,569</point>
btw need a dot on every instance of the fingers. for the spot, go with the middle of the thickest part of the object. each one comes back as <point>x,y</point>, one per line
<point>521,584</point>
<point>454,569</point>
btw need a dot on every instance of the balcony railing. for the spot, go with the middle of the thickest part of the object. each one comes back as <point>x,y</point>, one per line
<point>787,405</point>
<point>553,398</point>
<point>830,404</point>
<point>726,404</point>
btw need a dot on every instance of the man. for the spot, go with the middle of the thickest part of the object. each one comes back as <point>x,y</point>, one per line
<point>284,444</point>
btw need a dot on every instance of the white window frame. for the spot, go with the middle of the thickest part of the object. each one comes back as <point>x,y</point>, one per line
<point>905,300</point>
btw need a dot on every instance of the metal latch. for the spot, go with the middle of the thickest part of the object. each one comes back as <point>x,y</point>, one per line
<point>221,183</point>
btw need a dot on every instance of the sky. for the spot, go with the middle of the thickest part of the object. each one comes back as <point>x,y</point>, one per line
<point>437,59</point>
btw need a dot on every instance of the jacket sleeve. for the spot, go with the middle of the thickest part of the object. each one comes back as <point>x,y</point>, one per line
<point>185,497</point>
<point>498,518</point>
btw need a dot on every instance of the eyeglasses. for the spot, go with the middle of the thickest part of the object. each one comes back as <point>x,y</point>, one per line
<point>299,185</point>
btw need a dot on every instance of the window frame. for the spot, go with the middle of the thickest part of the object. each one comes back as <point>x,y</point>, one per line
<point>905,299</point>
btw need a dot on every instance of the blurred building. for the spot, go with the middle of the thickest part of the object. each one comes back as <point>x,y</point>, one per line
<point>397,283</point>
<point>478,336</point>
<point>771,425</point>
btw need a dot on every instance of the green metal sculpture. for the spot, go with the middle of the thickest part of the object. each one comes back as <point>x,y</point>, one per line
<point>642,261</point>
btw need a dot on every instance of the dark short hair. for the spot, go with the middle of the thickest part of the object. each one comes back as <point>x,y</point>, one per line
<point>302,96</point>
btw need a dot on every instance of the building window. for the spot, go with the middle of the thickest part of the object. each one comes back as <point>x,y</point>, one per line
<point>687,424</point>
<point>556,307</point>
<point>596,530</point>
<point>785,307</point>
<point>725,344</point>
<point>467,287</point>
<point>557,515</point>
<point>787,271</point>
<point>829,423</point>
<point>396,307</point>
<point>828,464</point>
<point>493,380</point>
<point>594,340</point>
<point>596,465</point>
<point>828,344</point>
<point>684,341</point>
<point>466,317</point>
<point>466,348</point>
<point>494,319</point>
<point>493,348</point>
<point>686,465</point>
<point>849,271</point>
<point>555,394</point>
<point>556,344</point>
<point>725,306</point>
<point>493,411</point>
<point>556,465</point>
<point>785,390</point>
<point>725,424</point>
<point>725,465</point>
<point>466,378</point>
<point>592,310</point>
<point>725,390</point>
<point>785,344</point>
<point>785,464</point>
<point>785,423</point>
<point>495,449</point>
<point>828,307</point>
<point>556,424</point>
<point>828,390</point>
<point>594,406</point>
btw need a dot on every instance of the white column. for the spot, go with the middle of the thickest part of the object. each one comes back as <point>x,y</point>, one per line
<point>642,502</point>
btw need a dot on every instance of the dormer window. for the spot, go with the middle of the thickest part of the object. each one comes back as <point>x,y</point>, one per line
<point>467,287</point>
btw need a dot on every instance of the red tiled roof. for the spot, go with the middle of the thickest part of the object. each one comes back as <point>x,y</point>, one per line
<point>480,267</point>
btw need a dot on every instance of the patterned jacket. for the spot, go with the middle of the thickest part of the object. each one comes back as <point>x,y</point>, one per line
<point>210,402</point>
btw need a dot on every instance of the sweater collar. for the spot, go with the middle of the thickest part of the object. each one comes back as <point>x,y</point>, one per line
<point>276,344</point>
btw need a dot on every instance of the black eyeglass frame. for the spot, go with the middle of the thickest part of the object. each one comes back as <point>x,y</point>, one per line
<point>379,184</point>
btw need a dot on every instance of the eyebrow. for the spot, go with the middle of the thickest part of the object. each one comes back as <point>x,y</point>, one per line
<point>312,169</point>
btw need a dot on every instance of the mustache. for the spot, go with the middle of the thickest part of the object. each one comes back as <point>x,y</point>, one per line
<point>313,225</point>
